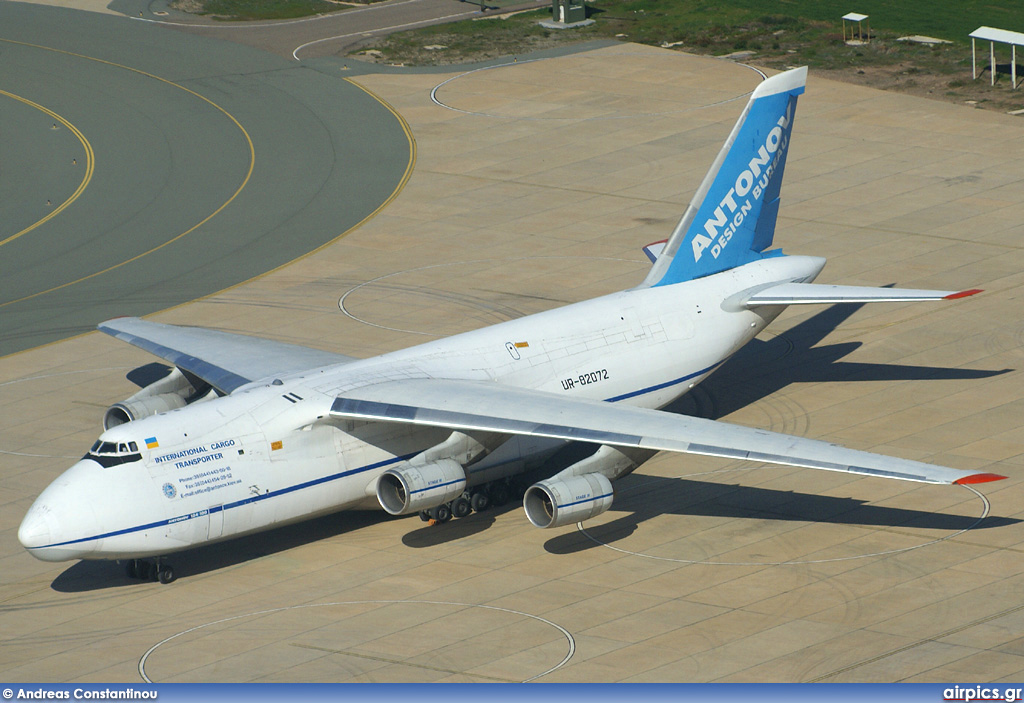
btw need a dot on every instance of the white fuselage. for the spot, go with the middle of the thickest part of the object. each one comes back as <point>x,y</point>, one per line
<point>269,454</point>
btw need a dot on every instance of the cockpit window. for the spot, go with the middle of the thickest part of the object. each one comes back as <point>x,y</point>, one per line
<point>108,454</point>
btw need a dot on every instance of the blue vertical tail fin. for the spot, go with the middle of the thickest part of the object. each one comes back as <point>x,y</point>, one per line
<point>731,219</point>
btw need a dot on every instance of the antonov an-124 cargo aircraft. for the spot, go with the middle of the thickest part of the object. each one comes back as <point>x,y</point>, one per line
<point>246,434</point>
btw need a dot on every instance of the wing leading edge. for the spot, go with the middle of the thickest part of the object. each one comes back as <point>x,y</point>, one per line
<point>474,405</point>
<point>224,360</point>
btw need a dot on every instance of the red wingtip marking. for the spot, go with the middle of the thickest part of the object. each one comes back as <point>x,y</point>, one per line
<point>978,478</point>
<point>964,294</point>
<point>660,241</point>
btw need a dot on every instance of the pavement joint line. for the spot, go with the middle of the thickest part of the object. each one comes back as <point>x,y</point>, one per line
<point>548,187</point>
<point>883,230</point>
<point>918,643</point>
<point>441,103</point>
<point>986,510</point>
<point>44,587</point>
<point>272,611</point>
<point>90,164</point>
<point>410,166</point>
<point>400,662</point>
<point>378,279</point>
<point>245,181</point>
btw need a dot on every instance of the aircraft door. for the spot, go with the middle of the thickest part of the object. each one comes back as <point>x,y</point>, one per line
<point>189,529</point>
<point>216,521</point>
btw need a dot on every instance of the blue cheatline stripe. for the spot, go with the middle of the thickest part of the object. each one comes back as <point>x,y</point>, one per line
<point>651,389</point>
<point>236,504</point>
<point>343,474</point>
<point>585,500</point>
<point>439,485</point>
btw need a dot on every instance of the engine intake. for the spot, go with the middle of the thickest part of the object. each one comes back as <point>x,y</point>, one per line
<point>169,393</point>
<point>554,503</point>
<point>414,488</point>
<point>137,408</point>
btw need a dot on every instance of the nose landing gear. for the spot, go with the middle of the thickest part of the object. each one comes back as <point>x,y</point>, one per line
<point>146,570</point>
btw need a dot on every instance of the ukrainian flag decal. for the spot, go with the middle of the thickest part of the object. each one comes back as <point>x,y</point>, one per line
<point>151,443</point>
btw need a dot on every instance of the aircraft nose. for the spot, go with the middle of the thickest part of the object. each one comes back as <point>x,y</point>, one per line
<point>35,529</point>
<point>57,527</point>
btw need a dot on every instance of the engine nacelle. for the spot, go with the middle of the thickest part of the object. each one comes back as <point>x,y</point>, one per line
<point>414,488</point>
<point>168,393</point>
<point>137,408</point>
<point>554,503</point>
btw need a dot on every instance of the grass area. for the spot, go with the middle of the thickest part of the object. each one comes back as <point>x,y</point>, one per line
<point>256,9</point>
<point>760,25</point>
<point>777,34</point>
<point>692,20</point>
<point>688,20</point>
<point>459,42</point>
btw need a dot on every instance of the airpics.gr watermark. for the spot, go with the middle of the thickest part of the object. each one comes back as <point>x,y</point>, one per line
<point>981,693</point>
<point>79,694</point>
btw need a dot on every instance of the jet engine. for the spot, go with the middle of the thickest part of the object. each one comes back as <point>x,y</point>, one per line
<point>137,408</point>
<point>554,503</point>
<point>583,490</point>
<point>170,392</point>
<point>413,488</point>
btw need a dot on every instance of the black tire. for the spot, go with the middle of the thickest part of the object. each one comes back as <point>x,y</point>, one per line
<point>518,489</point>
<point>444,513</point>
<point>132,569</point>
<point>165,574</point>
<point>479,502</point>
<point>499,493</point>
<point>461,507</point>
<point>425,515</point>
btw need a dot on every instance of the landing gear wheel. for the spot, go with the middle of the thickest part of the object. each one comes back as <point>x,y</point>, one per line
<point>479,502</point>
<point>165,574</point>
<point>425,515</point>
<point>517,489</point>
<point>132,569</point>
<point>444,513</point>
<point>461,507</point>
<point>499,493</point>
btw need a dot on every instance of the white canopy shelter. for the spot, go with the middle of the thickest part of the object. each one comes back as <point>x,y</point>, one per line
<point>858,18</point>
<point>993,35</point>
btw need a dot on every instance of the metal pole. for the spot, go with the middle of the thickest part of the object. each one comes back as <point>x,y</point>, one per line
<point>1013,67</point>
<point>974,60</point>
<point>992,59</point>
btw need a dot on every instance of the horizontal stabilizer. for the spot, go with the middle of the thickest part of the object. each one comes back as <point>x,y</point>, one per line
<point>808,293</point>
<point>487,406</point>
<point>654,249</point>
<point>224,360</point>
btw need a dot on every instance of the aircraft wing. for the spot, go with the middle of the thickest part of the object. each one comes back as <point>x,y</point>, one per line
<point>481,405</point>
<point>224,360</point>
<point>808,293</point>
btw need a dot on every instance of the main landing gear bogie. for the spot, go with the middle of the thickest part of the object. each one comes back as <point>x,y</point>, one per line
<point>146,570</point>
<point>476,500</point>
